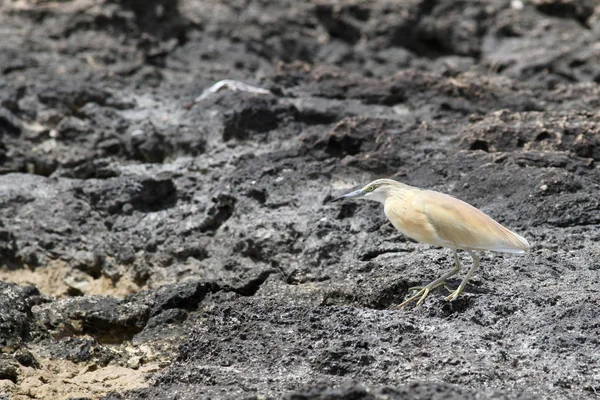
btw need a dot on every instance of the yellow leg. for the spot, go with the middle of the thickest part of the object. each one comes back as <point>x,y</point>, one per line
<point>444,284</point>
<point>454,295</point>
<point>425,290</point>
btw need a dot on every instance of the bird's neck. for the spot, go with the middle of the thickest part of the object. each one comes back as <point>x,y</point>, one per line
<point>400,192</point>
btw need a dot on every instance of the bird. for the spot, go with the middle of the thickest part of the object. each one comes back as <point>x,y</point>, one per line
<point>440,220</point>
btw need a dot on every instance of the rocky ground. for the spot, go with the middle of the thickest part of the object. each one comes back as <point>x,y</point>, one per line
<point>154,246</point>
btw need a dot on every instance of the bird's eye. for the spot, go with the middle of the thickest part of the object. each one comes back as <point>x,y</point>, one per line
<point>370,188</point>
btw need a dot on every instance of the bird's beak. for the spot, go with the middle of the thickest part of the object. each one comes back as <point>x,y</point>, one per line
<point>351,195</point>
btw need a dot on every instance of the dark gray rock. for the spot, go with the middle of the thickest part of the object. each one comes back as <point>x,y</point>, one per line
<point>110,320</point>
<point>104,318</point>
<point>254,114</point>
<point>9,124</point>
<point>9,369</point>
<point>26,359</point>
<point>248,283</point>
<point>183,296</point>
<point>16,317</point>
<point>81,350</point>
<point>413,391</point>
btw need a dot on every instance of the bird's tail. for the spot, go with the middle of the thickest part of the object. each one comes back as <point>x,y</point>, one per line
<point>514,243</point>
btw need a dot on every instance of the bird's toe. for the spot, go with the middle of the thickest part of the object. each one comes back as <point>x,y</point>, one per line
<point>454,295</point>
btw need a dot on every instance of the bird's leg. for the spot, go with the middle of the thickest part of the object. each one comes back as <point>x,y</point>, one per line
<point>444,284</point>
<point>425,290</point>
<point>462,285</point>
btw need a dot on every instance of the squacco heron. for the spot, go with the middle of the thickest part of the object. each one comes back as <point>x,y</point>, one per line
<point>440,220</point>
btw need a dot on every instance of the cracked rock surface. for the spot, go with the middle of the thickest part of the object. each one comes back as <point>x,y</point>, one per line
<point>157,246</point>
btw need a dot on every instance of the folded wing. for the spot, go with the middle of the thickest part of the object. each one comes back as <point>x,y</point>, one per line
<point>465,227</point>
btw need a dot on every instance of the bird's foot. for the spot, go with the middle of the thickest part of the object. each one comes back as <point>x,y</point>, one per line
<point>417,288</point>
<point>423,293</point>
<point>454,295</point>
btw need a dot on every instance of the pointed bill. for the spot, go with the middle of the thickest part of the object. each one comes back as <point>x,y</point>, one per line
<point>351,195</point>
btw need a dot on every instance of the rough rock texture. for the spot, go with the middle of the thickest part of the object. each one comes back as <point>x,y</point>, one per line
<point>153,246</point>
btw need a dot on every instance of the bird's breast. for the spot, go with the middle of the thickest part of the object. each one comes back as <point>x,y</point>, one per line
<point>411,221</point>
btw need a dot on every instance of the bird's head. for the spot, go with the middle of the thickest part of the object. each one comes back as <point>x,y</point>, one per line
<point>378,190</point>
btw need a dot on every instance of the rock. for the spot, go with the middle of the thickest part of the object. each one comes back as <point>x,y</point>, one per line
<point>190,246</point>
<point>9,124</point>
<point>140,193</point>
<point>72,128</point>
<point>72,97</point>
<point>88,262</point>
<point>26,359</point>
<point>185,296</point>
<point>149,146</point>
<point>503,131</point>
<point>104,318</point>
<point>110,320</point>
<point>414,391</point>
<point>15,305</point>
<point>254,114</point>
<point>9,369</point>
<point>82,350</point>
<point>218,213</point>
